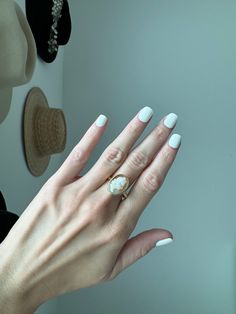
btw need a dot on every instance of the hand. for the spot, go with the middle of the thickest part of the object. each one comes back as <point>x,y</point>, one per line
<point>75,233</point>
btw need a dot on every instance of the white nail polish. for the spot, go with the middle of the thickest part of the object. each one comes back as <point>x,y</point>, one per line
<point>145,114</point>
<point>101,120</point>
<point>170,120</point>
<point>175,141</point>
<point>164,242</point>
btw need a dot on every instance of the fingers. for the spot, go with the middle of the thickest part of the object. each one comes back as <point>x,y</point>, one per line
<point>79,156</point>
<point>138,246</point>
<point>116,152</point>
<point>142,155</point>
<point>149,182</point>
<point>139,158</point>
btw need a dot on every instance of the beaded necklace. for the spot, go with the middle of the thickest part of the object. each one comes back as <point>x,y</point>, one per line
<point>56,14</point>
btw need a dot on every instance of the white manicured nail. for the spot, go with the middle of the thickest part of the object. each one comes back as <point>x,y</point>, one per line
<point>175,141</point>
<point>164,242</point>
<point>145,114</point>
<point>170,120</point>
<point>101,120</point>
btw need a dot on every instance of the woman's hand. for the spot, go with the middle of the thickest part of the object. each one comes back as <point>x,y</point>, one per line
<point>75,233</point>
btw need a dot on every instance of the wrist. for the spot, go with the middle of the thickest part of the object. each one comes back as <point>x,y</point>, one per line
<point>11,304</point>
<point>14,296</point>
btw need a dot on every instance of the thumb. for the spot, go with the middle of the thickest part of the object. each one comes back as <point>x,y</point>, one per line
<point>138,246</point>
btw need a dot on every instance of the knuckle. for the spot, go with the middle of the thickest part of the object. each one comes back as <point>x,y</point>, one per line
<point>97,210</point>
<point>138,160</point>
<point>133,128</point>
<point>100,207</point>
<point>144,251</point>
<point>87,217</point>
<point>152,182</point>
<point>90,219</point>
<point>79,155</point>
<point>50,192</point>
<point>92,130</point>
<point>161,133</point>
<point>167,156</point>
<point>114,155</point>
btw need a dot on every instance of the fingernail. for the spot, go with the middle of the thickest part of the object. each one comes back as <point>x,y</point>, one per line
<point>175,141</point>
<point>145,114</point>
<point>101,120</point>
<point>164,242</point>
<point>170,120</point>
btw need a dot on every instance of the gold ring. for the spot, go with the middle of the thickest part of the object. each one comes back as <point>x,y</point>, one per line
<point>124,196</point>
<point>118,184</point>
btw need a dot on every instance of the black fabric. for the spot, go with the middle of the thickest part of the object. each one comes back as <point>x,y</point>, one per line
<point>40,19</point>
<point>3,205</point>
<point>7,219</point>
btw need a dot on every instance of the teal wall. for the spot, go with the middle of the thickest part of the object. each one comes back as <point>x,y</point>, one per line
<point>175,56</point>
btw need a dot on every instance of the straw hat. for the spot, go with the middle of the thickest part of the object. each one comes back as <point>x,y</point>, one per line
<point>44,131</point>
<point>50,23</point>
<point>7,219</point>
<point>17,52</point>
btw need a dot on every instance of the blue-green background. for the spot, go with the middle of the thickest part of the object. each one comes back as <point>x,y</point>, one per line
<point>175,56</point>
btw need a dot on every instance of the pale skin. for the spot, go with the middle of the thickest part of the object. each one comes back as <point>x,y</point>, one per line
<point>75,233</point>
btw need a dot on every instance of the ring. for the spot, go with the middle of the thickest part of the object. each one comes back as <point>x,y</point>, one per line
<point>118,185</point>
<point>124,196</point>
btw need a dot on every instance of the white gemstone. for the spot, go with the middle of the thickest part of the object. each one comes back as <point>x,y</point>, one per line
<point>118,184</point>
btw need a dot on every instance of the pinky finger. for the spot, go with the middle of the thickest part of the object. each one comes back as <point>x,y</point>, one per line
<point>138,246</point>
<point>77,159</point>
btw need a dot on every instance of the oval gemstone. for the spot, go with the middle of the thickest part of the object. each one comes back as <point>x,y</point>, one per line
<point>118,184</point>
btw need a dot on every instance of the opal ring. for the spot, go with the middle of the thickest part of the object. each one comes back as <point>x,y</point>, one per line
<point>118,184</point>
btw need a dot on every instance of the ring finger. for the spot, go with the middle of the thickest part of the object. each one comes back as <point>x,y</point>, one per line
<point>149,182</point>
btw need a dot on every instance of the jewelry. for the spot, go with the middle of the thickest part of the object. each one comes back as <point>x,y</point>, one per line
<point>56,15</point>
<point>118,185</point>
<point>124,196</point>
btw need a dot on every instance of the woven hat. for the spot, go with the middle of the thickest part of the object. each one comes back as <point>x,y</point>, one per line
<point>17,52</point>
<point>44,131</point>
<point>50,22</point>
<point>7,219</point>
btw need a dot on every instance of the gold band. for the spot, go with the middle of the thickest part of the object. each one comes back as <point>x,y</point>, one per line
<point>124,196</point>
